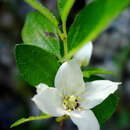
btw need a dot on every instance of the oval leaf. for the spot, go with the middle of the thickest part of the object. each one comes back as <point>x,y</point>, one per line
<point>38,30</point>
<point>91,21</point>
<point>36,65</point>
<point>105,110</point>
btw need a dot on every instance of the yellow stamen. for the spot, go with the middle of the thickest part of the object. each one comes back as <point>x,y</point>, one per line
<point>70,103</point>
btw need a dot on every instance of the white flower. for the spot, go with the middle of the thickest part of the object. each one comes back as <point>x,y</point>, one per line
<point>84,54</point>
<point>71,96</point>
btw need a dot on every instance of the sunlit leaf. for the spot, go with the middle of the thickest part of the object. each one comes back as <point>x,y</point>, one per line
<point>91,21</point>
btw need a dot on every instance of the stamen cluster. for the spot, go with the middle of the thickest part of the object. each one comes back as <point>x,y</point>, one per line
<point>70,103</point>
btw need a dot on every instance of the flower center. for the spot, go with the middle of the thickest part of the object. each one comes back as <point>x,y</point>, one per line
<point>70,103</point>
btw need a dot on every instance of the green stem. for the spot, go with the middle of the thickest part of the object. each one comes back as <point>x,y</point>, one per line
<point>65,47</point>
<point>60,33</point>
<point>65,38</point>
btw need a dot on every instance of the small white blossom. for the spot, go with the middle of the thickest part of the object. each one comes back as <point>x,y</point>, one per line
<point>72,96</point>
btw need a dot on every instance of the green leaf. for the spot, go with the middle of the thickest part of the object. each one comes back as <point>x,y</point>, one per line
<point>35,64</point>
<point>24,120</point>
<point>64,7</point>
<point>38,30</point>
<point>105,110</point>
<point>91,21</point>
<point>93,77</point>
<point>93,71</point>
<point>38,6</point>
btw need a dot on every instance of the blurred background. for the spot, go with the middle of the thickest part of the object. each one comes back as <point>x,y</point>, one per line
<point>111,51</point>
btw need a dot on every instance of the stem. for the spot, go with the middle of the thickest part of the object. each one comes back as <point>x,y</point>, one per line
<point>60,33</point>
<point>65,47</point>
<point>65,38</point>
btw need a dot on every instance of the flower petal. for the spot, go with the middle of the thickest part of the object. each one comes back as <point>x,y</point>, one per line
<point>48,100</point>
<point>69,78</point>
<point>84,54</point>
<point>97,92</point>
<point>85,120</point>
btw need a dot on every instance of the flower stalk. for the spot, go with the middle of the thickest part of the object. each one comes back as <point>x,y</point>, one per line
<point>65,38</point>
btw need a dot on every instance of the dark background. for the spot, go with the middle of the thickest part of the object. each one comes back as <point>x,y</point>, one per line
<point>111,51</point>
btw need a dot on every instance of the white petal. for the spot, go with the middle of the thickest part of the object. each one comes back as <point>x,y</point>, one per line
<point>97,91</point>
<point>84,54</point>
<point>85,120</point>
<point>69,78</point>
<point>48,100</point>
